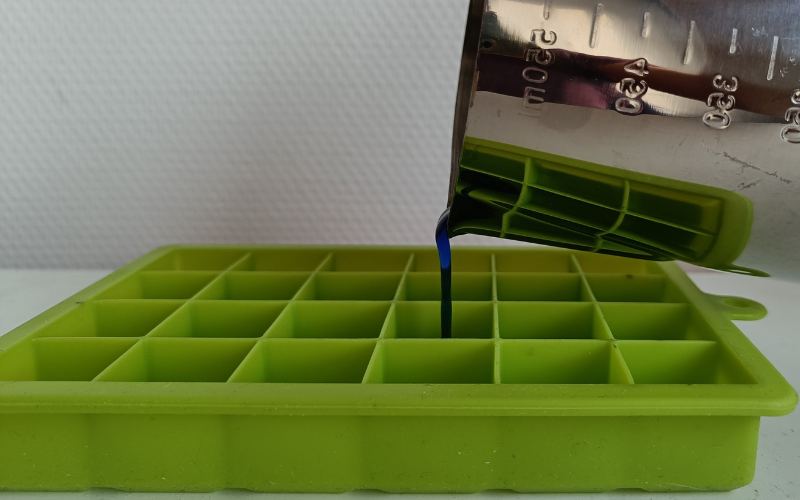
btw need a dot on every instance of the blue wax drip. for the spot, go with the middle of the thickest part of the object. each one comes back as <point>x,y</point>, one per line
<point>443,245</point>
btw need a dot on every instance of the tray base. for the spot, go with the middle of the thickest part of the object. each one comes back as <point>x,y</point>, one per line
<point>198,453</point>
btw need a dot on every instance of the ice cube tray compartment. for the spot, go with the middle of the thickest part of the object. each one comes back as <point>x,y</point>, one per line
<point>255,286</point>
<point>195,345</point>
<point>683,363</point>
<point>560,362</point>
<point>464,286</point>
<point>471,320</point>
<point>351,286</point>
<point>556,320</point>
<point>202,318</point>
<point>311,361</point>
<point>112,318</point>
<point>541,287</point>
<point>63,359</point>
<point>160,285</point>
<point>440,361</point>
<point>178,360</point>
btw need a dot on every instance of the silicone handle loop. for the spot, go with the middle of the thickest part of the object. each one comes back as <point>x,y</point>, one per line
<point>738,308</point>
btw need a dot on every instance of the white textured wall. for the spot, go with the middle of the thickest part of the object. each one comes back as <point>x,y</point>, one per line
<point>129,124</point>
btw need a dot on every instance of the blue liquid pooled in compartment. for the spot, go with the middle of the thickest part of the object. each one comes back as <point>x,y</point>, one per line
<point>443,245</point>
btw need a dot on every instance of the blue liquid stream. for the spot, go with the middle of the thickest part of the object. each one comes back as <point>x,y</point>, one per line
<point>443,245</point>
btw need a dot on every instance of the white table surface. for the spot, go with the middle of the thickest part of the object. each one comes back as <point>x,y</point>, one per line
<point>26,293</point>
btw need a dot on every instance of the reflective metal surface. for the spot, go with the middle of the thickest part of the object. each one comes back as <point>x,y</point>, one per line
<point>701,91</point>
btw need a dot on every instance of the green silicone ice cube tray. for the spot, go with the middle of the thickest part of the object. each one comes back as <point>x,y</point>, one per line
<point>312,369</point>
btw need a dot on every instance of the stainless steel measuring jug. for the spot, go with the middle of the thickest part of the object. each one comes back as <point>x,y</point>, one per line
<point>652,129</point>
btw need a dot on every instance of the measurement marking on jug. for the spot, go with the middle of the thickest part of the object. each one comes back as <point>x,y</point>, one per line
<point>539,56</point>
<point>535,114</point>
<point>537,74</point>
<point>719,118</point>
<point>772,57</point>
<point>637,67</point>
<point>632,103</point>
<point>546,10</point>
<point>735,32</point>
<point>534,79</point>
<point>646,25</point>
<point>791,132</point>
<point>530,99</point>
<point>721,84</point>
<point>596,25</point>
<point>687,54</point>
<point>541,37</point>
